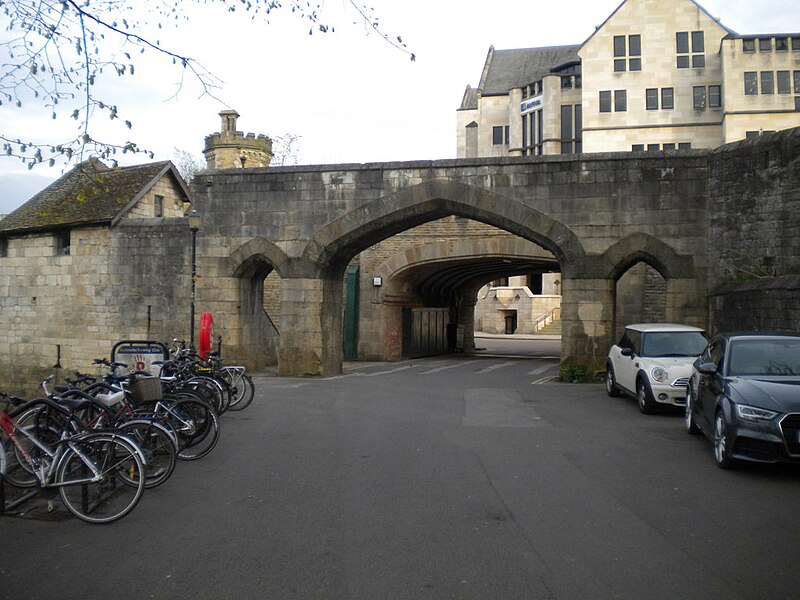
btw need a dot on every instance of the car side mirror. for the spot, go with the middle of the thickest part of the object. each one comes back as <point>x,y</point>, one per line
<point>708,368</point>
<point>627,352</point>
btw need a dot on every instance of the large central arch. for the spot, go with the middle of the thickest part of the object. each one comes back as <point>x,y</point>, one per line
<point>311,309</point>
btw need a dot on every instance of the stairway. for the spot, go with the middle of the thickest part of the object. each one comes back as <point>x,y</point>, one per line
<point>553,328</point>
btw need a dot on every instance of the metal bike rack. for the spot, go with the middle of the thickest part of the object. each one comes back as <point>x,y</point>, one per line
<point>142,353</point>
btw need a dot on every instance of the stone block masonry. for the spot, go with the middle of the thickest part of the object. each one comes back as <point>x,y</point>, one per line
<point>693,216</point>
<point>130,282</point>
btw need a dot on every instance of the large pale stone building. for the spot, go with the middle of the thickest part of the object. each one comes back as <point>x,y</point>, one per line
<point>655,76</point>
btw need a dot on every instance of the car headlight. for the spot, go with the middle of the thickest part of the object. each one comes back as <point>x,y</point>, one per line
<point>659,374</point>
<point>751,413</point>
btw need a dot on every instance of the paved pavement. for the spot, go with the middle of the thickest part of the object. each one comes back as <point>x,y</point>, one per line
<point>451,477</point>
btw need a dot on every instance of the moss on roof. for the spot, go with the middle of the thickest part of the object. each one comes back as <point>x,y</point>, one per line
<point>91,193</point>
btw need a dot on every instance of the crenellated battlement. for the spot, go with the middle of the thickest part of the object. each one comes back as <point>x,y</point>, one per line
<point>232,149</point>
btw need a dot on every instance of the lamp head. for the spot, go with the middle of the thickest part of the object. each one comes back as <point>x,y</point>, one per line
<point>194,220</point>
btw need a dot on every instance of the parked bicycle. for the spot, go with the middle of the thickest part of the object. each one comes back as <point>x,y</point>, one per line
<point>98,474</point>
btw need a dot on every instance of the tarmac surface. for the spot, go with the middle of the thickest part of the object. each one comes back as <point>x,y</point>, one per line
<point>462,476</point>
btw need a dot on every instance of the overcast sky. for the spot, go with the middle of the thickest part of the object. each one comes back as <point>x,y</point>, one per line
<point>349,95</point>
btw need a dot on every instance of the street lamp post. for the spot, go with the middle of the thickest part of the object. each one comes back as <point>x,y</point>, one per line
<point>194,225</point>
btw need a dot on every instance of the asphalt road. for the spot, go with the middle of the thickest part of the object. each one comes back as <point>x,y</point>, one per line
<point>451,477</point>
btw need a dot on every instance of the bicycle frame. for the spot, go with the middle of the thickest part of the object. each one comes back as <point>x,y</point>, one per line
<point>46,467</point>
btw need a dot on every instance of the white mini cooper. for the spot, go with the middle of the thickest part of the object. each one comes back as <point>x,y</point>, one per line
<point>653,362</point>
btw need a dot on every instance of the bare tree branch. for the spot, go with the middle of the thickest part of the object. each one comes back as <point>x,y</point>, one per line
<point>56,51</point>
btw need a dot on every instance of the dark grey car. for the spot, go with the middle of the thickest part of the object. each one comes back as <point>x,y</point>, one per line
<point>744,395</point>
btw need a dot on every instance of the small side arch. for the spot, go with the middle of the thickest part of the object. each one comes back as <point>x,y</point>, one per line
<point>642,247</point>
<point>257,258</point>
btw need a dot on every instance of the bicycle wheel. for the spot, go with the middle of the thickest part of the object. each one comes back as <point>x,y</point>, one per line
<point>17,470</point>
<point>197,425</point>
<point>158,446</point>
<point>114,490</point>
<point>212,390</point>
<point>243,390</point>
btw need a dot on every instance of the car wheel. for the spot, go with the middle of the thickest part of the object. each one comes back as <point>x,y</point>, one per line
<point>645,399</point>
<point>691,427</point>
<point>611,383</point>
<point>722,443</point>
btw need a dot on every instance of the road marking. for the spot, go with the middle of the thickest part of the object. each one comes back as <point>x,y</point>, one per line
<point>548,379</point>
<point>495,367</point>
<point>376,373</point>
<point>453,366</point>
<point>542,369</point>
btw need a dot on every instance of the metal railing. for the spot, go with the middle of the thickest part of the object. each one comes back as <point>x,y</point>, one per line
<point>554,314</point>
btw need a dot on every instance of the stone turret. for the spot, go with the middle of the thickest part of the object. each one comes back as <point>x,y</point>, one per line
<point>231,149</point>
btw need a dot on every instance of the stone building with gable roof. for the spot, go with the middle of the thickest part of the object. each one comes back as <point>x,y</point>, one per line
<point>75,264</point>
<point>654,76</point>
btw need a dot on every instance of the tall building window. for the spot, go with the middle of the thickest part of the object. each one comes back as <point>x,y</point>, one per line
<point>605,101</point>
<point>566,129</point>
<point>748,45</point>
<point>767,83</point>
<point>524,131</point>
<point>651,98</point>
<point>532,132</point>
<point>699,97</point>
<point>784,82</point>
<point>620,100</point>
<point>667,98</point>
<point>797,82</point>
<point>3,247</point>
<point>500,135</point>
<point>715,96</point>
<point>158,206</point>
<point>628,52</point>
<point>781,44</point>
<point>620,52</point>
<point>497,135</point>
<point>539,137</point>
<point>571,127</point>
<point>765,44</point>
<point>750,83</point>
<point>795,44</point>
<point>693,55</point>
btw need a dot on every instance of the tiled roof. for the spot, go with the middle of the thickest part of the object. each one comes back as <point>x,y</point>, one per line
<point>91,193</point>
<point>507,69</point>
<point>470,100</point>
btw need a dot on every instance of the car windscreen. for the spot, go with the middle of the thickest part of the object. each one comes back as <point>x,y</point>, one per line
<point>765,356</point>
<point>673,343</point>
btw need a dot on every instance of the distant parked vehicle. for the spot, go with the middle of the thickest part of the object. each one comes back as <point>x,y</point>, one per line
<point>652,362</point>
<point>744,395</point>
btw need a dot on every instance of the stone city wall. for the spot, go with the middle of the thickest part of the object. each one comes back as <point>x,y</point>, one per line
<point>67,310</point>
<point>754,234</point>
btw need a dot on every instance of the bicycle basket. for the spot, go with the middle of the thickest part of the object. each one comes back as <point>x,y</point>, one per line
<point>146,389</point>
